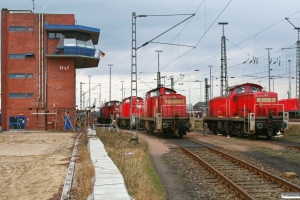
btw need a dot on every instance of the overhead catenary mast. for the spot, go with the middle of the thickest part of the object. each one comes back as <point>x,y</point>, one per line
<point>223,79</point>
<point>297,60</point>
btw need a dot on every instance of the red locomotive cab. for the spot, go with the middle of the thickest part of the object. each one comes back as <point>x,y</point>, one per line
<point>246,110</point>
<point>165,101</point>
<point>165,113</point>
<point>137,106</point>
<point>111,108</point>
<point>172,104</point>
<point>217,107</point>
<point>291,106</point>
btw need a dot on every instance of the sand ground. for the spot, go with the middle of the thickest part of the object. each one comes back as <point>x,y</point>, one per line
<point>33,165</point>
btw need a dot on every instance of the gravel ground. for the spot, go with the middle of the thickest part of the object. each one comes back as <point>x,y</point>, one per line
<point>183,179</point>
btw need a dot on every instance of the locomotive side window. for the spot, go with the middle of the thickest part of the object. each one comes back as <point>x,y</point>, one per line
<point>228,92</point>
<point>154,94</point>
<point>254,89</point>
<point>109,104</point>
<point>169,92</point>
<point>239,90</point>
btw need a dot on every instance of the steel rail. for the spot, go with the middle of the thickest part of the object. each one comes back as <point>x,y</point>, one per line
<point>231,184</point>
<point>263,173</point>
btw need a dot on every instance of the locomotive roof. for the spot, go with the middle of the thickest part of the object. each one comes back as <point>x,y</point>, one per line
<point>132,96</point>
<point>253,84</point>
<point>162,87</point>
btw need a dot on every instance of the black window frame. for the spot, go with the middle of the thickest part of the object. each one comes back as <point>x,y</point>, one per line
<point>16,95</point>
<point>57,35</point>
<point>17,75</point>
<point>17,28</point>
<point>16,56</point>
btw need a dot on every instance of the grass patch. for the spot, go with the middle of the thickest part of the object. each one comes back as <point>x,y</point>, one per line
<point>292,133</point>
<point>85,171</point>
<point>139,175</point>
<point>198,125</point>
<point>288,154</point>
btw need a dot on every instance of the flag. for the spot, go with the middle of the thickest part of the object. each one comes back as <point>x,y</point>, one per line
<point>102,54</point>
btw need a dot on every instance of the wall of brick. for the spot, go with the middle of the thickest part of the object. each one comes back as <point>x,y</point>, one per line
<point>59,73</point>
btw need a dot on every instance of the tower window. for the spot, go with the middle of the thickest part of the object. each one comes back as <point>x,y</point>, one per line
<point>17,28</point>
<point>16,95</point>
<point>30,28</point>
<point>16,55</point>
<point>16,76</point>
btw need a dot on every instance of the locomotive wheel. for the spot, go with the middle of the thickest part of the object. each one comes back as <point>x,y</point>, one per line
<point>269,137</point>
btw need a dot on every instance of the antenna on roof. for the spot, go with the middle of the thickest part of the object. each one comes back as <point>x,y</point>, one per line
<point>33,5</point>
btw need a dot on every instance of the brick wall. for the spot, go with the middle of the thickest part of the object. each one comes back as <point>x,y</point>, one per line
<point>58,87</point>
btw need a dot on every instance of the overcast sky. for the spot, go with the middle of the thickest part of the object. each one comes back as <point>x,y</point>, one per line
<point>253,26</point>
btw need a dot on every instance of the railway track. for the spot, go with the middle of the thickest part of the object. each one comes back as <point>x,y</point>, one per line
<point>230,173</point>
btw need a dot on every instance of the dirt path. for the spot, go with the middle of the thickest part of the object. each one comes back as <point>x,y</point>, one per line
<point>174,187</point>
<point>33,165</point>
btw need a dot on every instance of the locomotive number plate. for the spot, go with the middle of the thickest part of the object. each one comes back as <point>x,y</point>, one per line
<point>265,100</point>
<point>174,101</point>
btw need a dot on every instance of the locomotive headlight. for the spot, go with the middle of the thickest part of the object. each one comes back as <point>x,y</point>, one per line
<point>285,116</point>
<point>165,125</point>
<point>188,125</point>
<point>259,125</point>
<point>284,125</point>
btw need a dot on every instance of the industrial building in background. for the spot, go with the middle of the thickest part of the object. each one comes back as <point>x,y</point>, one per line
<point>39,57</point>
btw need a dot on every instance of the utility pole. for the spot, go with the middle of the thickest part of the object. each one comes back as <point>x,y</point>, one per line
<point>122,90</point>
<point>110,80</point>
<point>81,95</point>
<point>99,99</point>
<point>224,79</point>
<point>200,91</point>
<point>164,80</point>
<point>133,80</point>
<point>158,72</point>
<point>290,87</point>
<point>210,66</point>
<point>269,70</point>
<point>89,90</point>
<point>212,87</point>
<point>206,95</point>
<point>172,82</point>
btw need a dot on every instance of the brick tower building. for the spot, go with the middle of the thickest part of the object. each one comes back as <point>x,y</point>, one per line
<point>39,57</point>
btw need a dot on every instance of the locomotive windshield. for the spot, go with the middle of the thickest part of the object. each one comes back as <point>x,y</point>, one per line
<point>239,90</point>
<point>254,89</point>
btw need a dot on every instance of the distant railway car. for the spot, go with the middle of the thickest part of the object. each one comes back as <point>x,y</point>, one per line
<point>291,106</point>
<point>110,111</point>
<point>165,113</point>
<point>137,105</point>
<point>246,110</point>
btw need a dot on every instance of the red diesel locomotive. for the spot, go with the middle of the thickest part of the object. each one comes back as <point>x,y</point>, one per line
<point>137,104</point>
<point>109,112</point>
<point>246,110</point>
<point>291,106</point>
<point>165,113</point>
